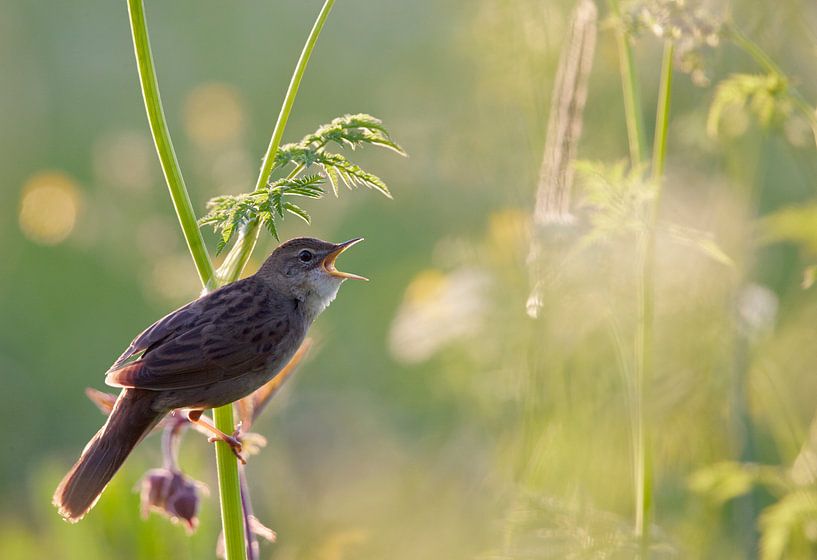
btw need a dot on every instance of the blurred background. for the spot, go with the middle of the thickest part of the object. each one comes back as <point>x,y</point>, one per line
<point>435,418</point>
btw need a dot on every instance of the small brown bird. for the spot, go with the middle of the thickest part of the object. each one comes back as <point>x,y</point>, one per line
<point>211,352</point>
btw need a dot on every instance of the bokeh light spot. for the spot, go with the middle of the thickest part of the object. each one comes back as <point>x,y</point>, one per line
<point>124,159</point>
<point>49,205</point>
<point>213,115</point>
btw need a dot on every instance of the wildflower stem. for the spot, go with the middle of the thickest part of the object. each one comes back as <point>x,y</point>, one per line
<point>252,543</point>
<point>229,490</point>
<point>644,339</point>
<point>630,90</point>
<point>292,92</point>
<point>233,265</point>
<point>164,145</point>
<point>659,148</point>
<point>240,253</point>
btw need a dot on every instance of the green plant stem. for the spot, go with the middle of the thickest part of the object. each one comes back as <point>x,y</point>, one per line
<point>229,489</point>
<point>644,338</point>
<point>659,148</point>
<point>630,90</point>
<point>164,145</point>
<point>238,256</point>
<point>234,264</point>
<point>292,92</point>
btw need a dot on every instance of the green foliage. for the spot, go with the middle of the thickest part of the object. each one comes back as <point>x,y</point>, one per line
<point>795,224</point>
<point>766,96</point>
<point>702,241</point>
<point>721,482</point>
<point>789,524</point>
<point>616,198</point>
<point>228,213</point>
<point>545,529</point>
<point>350,131</point>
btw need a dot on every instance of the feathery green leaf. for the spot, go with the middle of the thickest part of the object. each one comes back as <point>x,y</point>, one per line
<point>227,214</point>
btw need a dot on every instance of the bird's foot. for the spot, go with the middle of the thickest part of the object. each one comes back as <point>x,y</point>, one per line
<point>234,441</point>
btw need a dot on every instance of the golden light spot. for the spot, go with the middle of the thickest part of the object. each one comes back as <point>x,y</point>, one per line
<point>157,236</point>
<point>337,545</point>
<point>124,159</point>
<point>49,205</point>
<point>509,228</point>
<point>213,115</point>
<point>173,278</point>
<point>425,286</point>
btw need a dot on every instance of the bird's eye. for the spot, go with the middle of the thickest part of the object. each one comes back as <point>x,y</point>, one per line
<point>305,256</point>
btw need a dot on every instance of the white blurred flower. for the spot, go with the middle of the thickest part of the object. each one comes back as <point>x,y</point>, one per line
<point>438,309</point>
<point>757,310</point>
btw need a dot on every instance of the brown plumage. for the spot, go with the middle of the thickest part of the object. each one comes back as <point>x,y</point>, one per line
<point>213,351</point>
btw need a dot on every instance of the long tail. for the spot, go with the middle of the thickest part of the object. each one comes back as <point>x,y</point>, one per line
<point>130,420</point>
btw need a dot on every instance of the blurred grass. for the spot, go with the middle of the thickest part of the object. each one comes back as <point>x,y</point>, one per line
<point>508,442</point>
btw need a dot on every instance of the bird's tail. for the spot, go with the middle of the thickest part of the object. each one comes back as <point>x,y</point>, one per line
<point>130,420</point>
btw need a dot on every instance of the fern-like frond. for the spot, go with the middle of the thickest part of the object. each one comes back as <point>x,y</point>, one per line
<point>336,165</point>
<point>226,214</point>
<point>615,198</point>
<point>352,131</point>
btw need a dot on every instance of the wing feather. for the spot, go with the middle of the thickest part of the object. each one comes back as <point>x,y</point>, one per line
<point>218,337</point>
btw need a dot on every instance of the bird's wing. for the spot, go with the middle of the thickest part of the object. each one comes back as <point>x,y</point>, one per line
<point>231,332</point>
<point>169,326</point>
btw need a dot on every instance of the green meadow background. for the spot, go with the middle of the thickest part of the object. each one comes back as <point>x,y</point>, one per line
<point>434,418</point>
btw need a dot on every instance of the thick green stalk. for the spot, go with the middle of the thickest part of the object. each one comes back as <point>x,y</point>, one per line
<point>644,343</point>
<point>238,256</point>
<point>164,146</point>
<point>630,90</point>
<point>229,489</point>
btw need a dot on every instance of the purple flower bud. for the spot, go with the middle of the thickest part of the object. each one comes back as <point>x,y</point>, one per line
<point>173,495</point>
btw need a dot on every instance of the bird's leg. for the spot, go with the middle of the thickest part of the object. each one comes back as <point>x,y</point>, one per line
<point>195,416</point>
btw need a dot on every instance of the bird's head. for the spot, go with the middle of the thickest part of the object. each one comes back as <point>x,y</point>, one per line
<point>304,268</point>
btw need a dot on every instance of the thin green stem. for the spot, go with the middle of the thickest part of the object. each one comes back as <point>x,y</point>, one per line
<point>644,341</point>
<point>292,92</point>
<point>642,370</point>
<point>238,256</point>
<point>164,146</point>
<point>753,49</point>
<point>630,90</point>
<point>229,489</point>
<point>659,148</point>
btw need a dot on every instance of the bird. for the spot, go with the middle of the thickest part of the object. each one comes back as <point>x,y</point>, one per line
<point>213,351</point>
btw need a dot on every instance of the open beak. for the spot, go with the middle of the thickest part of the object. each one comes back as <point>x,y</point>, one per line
<point>329,261</point>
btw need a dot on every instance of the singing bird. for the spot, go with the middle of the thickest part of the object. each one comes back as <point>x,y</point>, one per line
<point>211,352</point>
